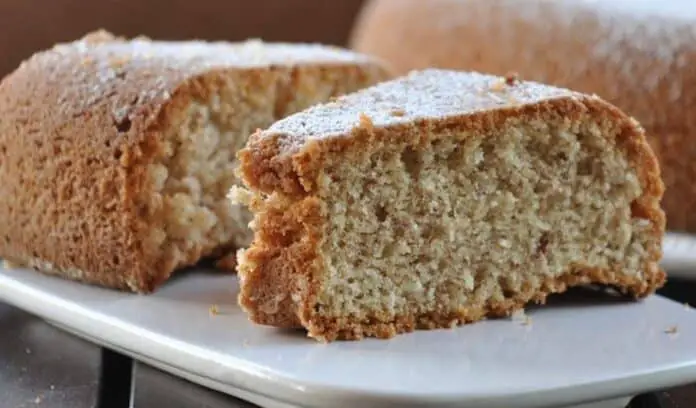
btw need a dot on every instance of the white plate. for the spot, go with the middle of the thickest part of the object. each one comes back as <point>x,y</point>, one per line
<point>578,350</point>
<point>679,257</point>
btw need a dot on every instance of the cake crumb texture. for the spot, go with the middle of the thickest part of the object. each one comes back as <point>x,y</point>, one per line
<point>636,54</point>
<point>464,207</point>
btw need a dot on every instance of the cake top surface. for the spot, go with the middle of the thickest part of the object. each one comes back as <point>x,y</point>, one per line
<point>198,55</point>
<point>679,9</point>
<point>102,68</point>
<point>427,94</point>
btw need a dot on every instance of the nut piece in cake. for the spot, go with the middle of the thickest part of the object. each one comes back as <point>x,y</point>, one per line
<point>464,206</point>
<point>116,156</point>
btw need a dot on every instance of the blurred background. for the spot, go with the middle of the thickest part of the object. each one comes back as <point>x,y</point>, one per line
<point>30,25</point>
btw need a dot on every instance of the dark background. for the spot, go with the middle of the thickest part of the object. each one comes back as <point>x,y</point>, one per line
<point>27,26</point>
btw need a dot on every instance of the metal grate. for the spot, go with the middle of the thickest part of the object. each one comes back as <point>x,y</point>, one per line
<point>116,381</point>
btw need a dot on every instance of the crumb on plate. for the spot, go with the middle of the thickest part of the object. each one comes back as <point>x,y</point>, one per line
<point>214,310</point>
<point>521,317</point>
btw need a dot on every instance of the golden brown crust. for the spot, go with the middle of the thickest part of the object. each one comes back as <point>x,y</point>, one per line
<point>636,55</point>
<point>280,268</point>
<point>284,261</point>
<point>79,123</point>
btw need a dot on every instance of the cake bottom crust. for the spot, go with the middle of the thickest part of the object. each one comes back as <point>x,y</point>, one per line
<point>330,329</point>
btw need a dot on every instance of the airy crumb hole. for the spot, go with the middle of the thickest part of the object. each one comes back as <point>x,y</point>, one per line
<point>411,161</point>
<point>381,213</point>
<point>123,125</point>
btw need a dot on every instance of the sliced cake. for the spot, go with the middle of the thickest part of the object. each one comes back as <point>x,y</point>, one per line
<point>638,55</point>
<point>441,198</point>
<point>116,155</point>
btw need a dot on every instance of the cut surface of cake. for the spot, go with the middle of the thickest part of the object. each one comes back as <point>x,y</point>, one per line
<point>441,198</point>
<point>116,155</point>
<point>637,54</point>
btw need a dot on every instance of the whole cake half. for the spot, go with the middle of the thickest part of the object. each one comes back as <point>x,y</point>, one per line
<point>116,156</point>
<point>441,198</point>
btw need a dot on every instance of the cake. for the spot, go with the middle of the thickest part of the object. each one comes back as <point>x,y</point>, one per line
<point>116,155</point>
<point>638,55</point>
<point>441,198</point>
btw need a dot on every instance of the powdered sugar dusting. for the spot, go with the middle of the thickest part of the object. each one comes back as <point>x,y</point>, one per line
<point>641,42</point>
<point>100,64</point>
<point>421,95</point>
<point>205,55</point>
<point>660,30</point>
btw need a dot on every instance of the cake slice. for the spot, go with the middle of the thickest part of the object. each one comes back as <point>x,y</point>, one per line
<point>441,198</point>
<point>116,156</point>
<point>639,55</point>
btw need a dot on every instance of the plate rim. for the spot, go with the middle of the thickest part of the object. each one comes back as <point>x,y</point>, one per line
<point>271,384</point>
